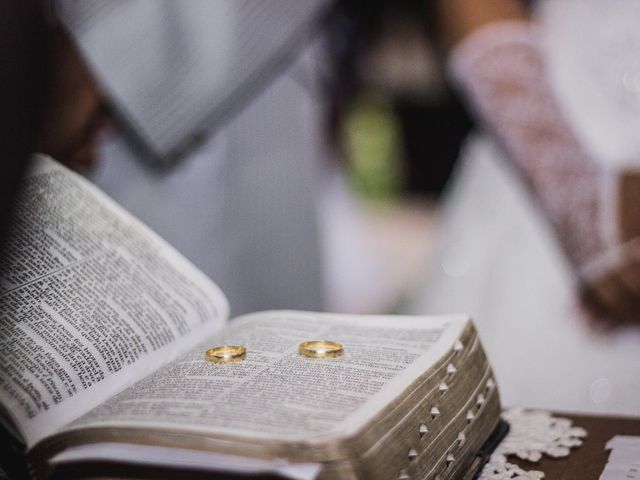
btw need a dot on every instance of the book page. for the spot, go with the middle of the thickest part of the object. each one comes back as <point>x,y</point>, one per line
<point>90,302</point>
<point>276,393</point>
<point>158,457</point>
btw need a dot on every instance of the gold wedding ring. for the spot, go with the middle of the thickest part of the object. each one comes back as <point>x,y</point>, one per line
<point>321,349</point>
<point>225,354</point>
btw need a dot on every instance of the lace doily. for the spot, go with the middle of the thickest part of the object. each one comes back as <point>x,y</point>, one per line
<point>533,433</point>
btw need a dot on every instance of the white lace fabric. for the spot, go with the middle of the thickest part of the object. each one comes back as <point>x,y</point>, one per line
<point>501,69</point>
<point>533,434</point>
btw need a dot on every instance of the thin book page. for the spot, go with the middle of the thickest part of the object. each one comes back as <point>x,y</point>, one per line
<point>158,457</point>
<point>91,301</point>
<point>278,394</point>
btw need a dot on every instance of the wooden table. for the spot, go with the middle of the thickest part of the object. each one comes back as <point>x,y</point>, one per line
<point>588,461</point>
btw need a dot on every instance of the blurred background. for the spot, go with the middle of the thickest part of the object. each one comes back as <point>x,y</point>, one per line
<point>323,156</point>
<point>400,127</point>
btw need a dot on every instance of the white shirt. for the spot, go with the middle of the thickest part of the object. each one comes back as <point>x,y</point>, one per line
<point>242,205</point>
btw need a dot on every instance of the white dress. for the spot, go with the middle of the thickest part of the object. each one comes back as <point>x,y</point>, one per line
<point>497,257</point>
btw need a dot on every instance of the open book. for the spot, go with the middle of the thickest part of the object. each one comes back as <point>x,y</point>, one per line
<point>104,327</point>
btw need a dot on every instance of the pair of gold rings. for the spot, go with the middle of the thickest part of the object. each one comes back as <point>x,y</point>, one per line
<point>311,349</point>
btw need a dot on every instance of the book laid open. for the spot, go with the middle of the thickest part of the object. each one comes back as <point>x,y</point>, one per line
<point>104,327</point>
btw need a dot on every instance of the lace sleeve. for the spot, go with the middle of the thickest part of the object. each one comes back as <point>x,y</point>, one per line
<point>501,70</point>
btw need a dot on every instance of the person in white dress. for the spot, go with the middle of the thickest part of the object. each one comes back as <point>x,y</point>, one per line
<point>541,225</point>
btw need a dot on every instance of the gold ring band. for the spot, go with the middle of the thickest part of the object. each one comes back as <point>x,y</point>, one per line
<point>226,354</point>
<point>321,349</point>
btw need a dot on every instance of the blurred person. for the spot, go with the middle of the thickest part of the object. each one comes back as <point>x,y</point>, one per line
<point>544,209</point>
<point>217,140</point>
<point>215,137</point>
<point>77,112</point>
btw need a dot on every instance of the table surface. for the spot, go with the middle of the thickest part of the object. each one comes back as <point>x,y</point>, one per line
<point>587,461</point>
